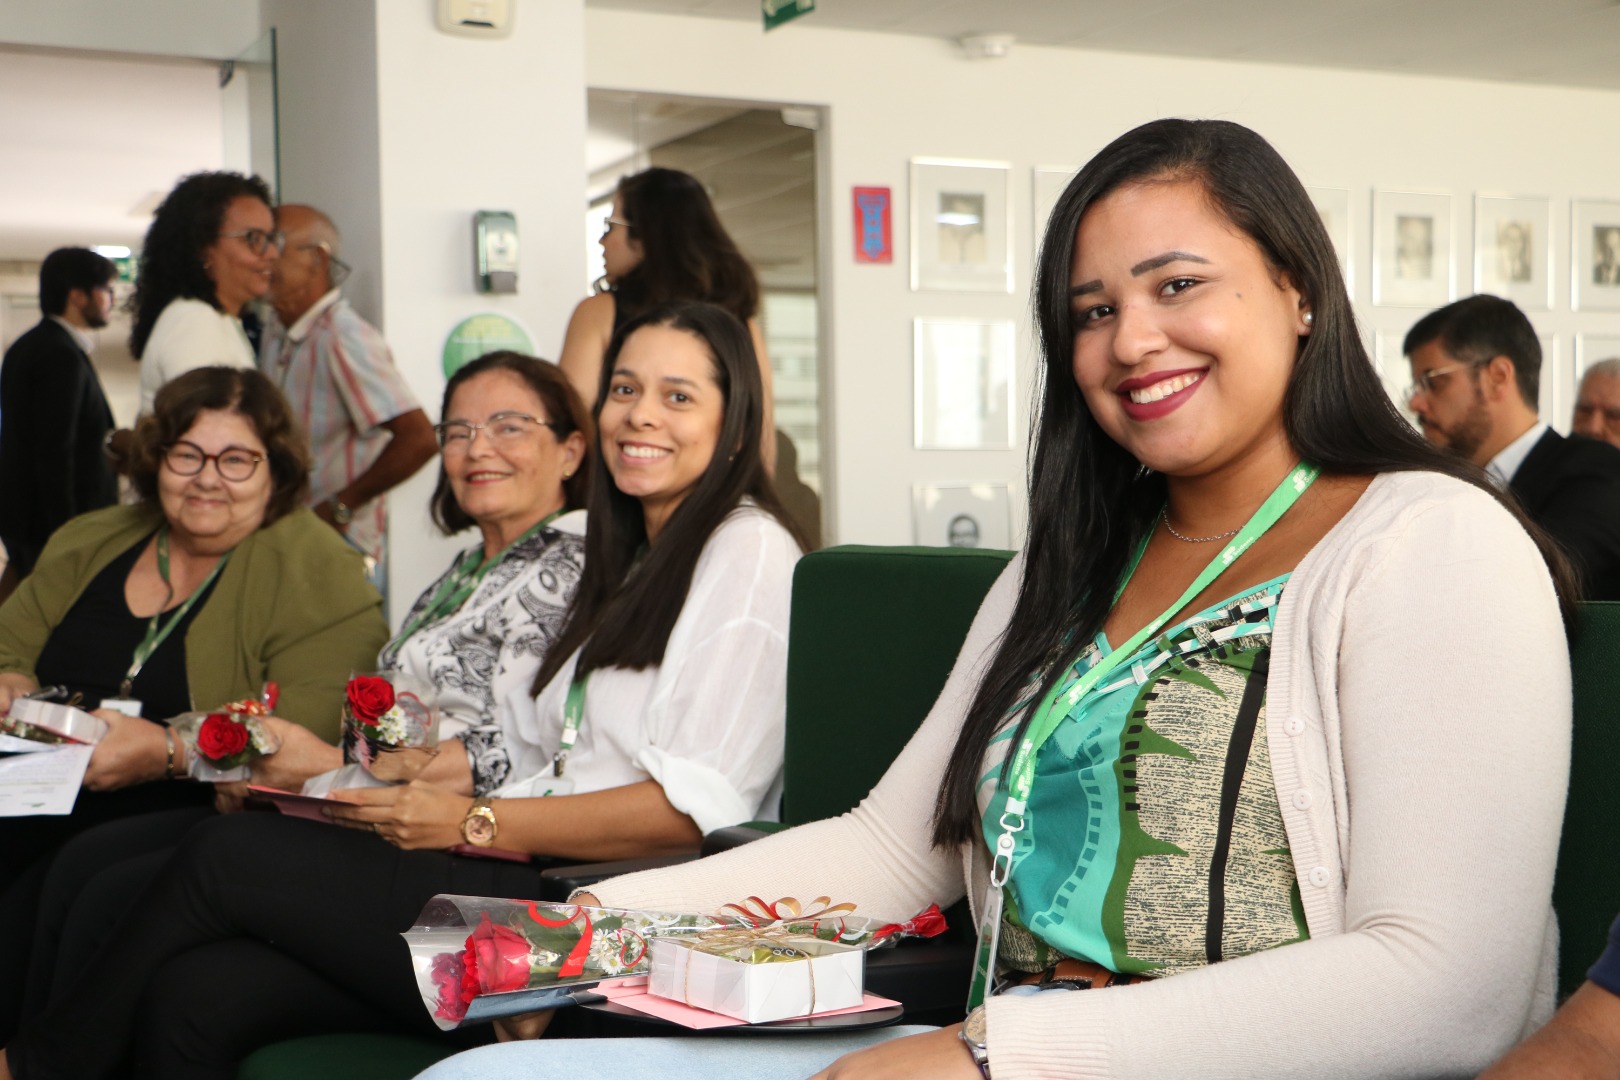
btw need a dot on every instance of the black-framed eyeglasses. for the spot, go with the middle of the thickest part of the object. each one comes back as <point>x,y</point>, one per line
<point>259,241</point>
<point>607,226</point>
<point>504,428</point>
<point>232,463</point>
<point>1424,383</point>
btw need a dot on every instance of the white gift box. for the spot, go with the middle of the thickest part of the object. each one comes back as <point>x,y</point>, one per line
<point>828,979</point>
<point>61,720</point>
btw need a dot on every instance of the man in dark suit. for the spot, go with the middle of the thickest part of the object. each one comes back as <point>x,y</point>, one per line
<point>1476,374</point>
<point>53,413</point>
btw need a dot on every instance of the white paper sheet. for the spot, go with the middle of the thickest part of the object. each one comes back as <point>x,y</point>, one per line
<point>45,783</point>
<point>10,744</point>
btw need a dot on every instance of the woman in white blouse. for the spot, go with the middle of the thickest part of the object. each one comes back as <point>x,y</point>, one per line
<point>207,255</point>
<point>678,639</point>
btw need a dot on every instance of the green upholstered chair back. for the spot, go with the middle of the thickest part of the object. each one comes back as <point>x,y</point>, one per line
<point>873,634</point>
<point>1587,890</point>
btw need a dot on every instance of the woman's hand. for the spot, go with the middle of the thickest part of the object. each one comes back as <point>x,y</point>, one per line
<point>412,816</point>
<point>303,754</point>
<point>134,751</point>
<point>932,1054</point>
<point>229,796</point>
<point>14,685</point>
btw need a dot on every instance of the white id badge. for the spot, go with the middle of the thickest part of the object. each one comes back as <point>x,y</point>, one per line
<point>126,705</point>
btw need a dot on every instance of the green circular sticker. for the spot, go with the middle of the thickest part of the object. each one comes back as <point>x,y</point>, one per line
<point>479,334</point>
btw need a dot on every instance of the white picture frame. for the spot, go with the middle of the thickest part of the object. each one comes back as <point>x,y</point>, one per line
<point>1333,207</point>
<point>1047,184</point>
<point>1595,254</point>
<point>1393,371</point>
<point>962,384</point>
<point>1513,252</point>
<point>1557,390</point>
<point>962,515</point>
<point>961,226</point>
<point>1413,264</point>
<point>1590,348</point>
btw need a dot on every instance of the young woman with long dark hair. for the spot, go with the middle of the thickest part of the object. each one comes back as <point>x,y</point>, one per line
<point>677,645</point>
<point>1238,723</point>
<point>664,244</point>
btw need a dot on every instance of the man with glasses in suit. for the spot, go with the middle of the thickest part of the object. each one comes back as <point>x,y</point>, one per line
<point>1476,373</point>
<point>366,431</point>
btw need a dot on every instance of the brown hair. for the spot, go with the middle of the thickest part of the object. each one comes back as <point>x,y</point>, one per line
<point>251,396</point>
<point>564,409</point>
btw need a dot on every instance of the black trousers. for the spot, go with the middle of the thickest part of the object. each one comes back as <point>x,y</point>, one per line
<point>255,928</point>
<point>28,850</point>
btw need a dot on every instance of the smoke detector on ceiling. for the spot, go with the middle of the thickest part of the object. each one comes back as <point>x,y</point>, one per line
<point>986,46</point>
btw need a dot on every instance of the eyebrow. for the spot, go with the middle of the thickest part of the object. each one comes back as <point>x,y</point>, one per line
<point>1141,268</point>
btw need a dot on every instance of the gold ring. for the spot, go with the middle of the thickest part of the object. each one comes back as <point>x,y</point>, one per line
<point>376,828</point>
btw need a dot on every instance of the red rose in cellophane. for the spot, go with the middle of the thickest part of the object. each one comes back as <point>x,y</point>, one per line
<point>496,960</point>
<point>369,696</point>
<point>221,737</point>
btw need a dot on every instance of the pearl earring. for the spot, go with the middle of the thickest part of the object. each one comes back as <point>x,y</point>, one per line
<point>1310,318</point>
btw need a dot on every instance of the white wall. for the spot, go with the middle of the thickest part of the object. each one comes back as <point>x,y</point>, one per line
<point>446,126</point>
<point>891,98</point>
<point>218,29</point>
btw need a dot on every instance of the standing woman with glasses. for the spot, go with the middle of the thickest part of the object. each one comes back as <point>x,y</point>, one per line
<point>213,584</point>
<point>663,244</point>
<point>207,255</point>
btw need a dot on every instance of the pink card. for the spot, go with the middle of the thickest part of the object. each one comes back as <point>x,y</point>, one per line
<point>632,994</point>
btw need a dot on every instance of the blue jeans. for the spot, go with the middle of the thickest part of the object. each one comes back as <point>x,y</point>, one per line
<point>736,1056</point>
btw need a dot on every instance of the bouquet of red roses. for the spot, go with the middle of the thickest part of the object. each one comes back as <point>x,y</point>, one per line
<point>478,958</point>
<point>222,745</point>
<point>390,725</point>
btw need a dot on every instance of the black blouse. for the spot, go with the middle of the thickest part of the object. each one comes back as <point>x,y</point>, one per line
<point>92,647</point>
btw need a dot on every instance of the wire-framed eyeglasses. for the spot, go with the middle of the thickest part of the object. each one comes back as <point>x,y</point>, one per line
<point>259,241</point>
<point>1424,383</point>
<point>232,463</point>
<point>607,225</point>
<point>504,428</point>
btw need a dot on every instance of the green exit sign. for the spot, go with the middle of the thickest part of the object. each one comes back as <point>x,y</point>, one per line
<point>777,12</point>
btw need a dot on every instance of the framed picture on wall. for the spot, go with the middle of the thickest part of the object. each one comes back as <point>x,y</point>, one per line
<point>1595,246</point>
<point>1393,371</point>
<point>1557,389</point>
<point>1412,249</point>
<point>962,384</point>
<point>1592,348</point>
<point>961,224</point>
<point>962,515</point>
<point>1333,206</point>
<point>1049,182</point>
<point>1513,249</point>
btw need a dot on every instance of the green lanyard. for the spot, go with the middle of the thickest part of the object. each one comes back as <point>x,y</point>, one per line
<point>1059,702</point>
<point>463,582</point>
<point>157,629</point>
<point>573,716</point>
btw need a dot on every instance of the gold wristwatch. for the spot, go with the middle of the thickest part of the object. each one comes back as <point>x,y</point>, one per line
<point>478,828</point>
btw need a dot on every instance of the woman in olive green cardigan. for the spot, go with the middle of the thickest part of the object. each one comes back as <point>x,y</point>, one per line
<point>215,584</point>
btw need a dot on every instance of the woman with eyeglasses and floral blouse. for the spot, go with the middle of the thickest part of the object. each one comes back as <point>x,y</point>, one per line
<point>207,255</point>
<point>215,583</point>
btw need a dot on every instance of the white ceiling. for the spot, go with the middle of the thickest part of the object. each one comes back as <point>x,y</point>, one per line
<point>1557,42</point>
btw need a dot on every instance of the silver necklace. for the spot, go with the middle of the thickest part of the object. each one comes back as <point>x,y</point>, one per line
<point>1165,517</point>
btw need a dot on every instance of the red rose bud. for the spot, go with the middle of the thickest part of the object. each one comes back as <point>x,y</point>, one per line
<point>369,697</point>
<point>221,737</point>
<point>925,925</point>
<point>496,960</point>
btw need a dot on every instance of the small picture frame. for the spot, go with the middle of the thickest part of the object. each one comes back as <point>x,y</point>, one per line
<point>1513,249</point>
<point>1412,249</point>
<point>962,381</point>
<point>1595,253</point>
<point>1333,206</point>
<point>962,515</point>
<point>1048,184</point>
<point>1394,372</point>
<point>1557,391</point>
<point>1591,348</point>
<point>961,226</point>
